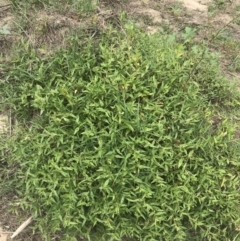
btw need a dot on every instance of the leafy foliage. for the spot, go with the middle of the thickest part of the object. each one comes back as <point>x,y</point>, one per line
<point>4,30</point>
<point>82,5</point>
<point>118,139</point>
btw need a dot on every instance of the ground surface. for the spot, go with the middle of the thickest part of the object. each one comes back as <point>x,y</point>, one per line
<point>216,21</point>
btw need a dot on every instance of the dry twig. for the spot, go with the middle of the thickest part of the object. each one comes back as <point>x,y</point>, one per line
<point>22,227</point>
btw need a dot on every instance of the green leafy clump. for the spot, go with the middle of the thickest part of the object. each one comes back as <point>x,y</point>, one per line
<point>80,5</point>
<point>4,30</point>
<point>119,139</point>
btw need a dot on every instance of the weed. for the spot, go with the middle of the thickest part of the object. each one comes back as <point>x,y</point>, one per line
<point>175,9</point>
<point>237,8</point>
<point>166,27</point>
<point>235,65</point>
<point>237,21</point>
<point>217,5</point>
<point>84,7</point>
<point>4,30</point>
<point>117,138</point>
<point>148,20</point>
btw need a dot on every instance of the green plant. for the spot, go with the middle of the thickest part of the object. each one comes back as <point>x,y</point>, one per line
<point>82,5</point>
<point>220,3</point>
<point>175,9</point>
<point>4,30</point>
<point>237,7</point>
<point>235,65</point>
<point>237,237</point>
<point>217,5</point>
<point>148,20</point>
<point>118,139</point>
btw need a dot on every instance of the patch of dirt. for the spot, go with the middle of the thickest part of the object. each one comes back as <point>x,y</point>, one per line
<point>200,6</point>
